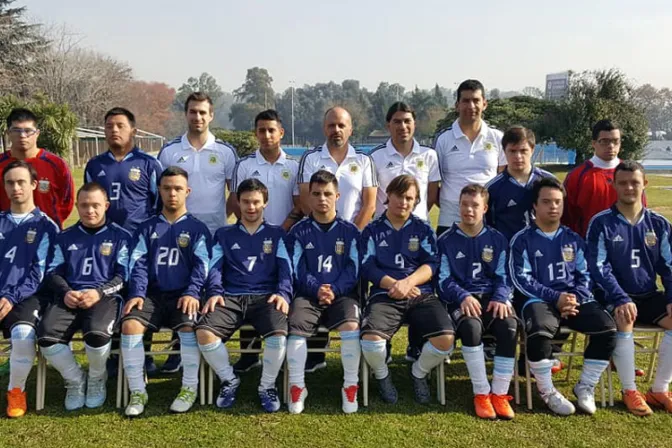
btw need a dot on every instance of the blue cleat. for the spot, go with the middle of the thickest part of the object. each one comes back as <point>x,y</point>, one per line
<point>269,399</point>
<point>227,393</point>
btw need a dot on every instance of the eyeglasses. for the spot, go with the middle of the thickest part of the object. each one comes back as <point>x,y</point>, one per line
<point>28,132</point>
<point>607,141</point>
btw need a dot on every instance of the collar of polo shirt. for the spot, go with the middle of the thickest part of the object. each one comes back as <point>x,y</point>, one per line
<point>325,154</point>
<point>209,142</point>
<point>391,150</point>
<point>457,130</point>
<point>261,160</point>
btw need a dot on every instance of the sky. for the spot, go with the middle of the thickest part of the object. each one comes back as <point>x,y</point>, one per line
<point>505,44</point>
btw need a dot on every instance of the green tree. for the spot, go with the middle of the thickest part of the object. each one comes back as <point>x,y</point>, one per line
<point>242,115</point>
<point>257,88</point>
<point>204,83</point>
<point>245,142</point>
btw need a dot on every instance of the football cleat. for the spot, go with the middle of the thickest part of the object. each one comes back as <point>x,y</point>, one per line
<point>660,400</point>
<point>184,400</point>
<point>636,403</point>
<point>412,354</point>
<point>557,366</point>
<point>269,399</point>
<point>313,365</point>
<point>297,399</point>
<point>557,403</point>
<point>585,398</point>
<point>387,390</point>
<point>349,397</point>
<point>96,392</point>
<point>227,393</point>
<point>172,364</point>
<point>421,389</point>
<point>483,407</point>
<point>502,407</point>
<point>75,395</point>
<point>16,403</point>
<point>137,403</point>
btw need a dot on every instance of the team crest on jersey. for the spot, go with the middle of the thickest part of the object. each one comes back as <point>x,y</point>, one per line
<point>340,247</point>
<point>30,236</point>
<point>106,248</point>
<point>268,246</point>
<point>650,238</point>
<point>286,174</point>
<point>420,164</point>
<point>568,253</point>
<point>183,239</point>
<point>487,254</point>
<point>134,174</point>
<point>354,168</point>
<point>413,244</point>
<point>212,160</point>
<point>43,185</point>
<point>488,146</point>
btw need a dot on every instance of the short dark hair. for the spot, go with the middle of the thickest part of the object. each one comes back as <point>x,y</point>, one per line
<point>630,166</point>
<point>399,106</point>
<point>322,177</point>
<point>21,114</point>
<point>198,97</point>
<point>517,135</point>
<point>470,84</point>
<point>249,185</point>
<point>172,171</point>
<point>90,187</point>
<point>401,184</point>
<point>121,111</point>
<point>21,164</point>
<point>546,182</point>
<point>604,125</point>
<point>475,190</point>
<point>267,115</point>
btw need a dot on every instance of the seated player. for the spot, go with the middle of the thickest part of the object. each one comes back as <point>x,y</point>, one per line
<point>168,268</point>
<point>27,236</point>
<point>325,256</point>
<point>628,246</point>
<point>86,276</point>
<point>250,282</point>
<point>474,284</point>
<point>547,264</point>
<point>400,261</point>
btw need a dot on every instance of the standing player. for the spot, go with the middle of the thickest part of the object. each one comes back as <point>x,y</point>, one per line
<point>473,282</point>
<point>326,259</point>
<point>548,265</point>
<point>168,268</point>
<point>26,235</point>
<point>628,246</point>
<point>55,193</point>
<point>250,282</point>
<point>401,259</point>
<point>87,274</point>
<point>402,154</point>
<point>469,151</point>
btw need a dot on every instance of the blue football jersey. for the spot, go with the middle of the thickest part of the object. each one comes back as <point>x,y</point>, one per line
<point>131,185</point>
<point>510,204</point>
<point>245,264</point>
<point>624,258</point>
<point>88,261</point>
<point>169,257</point>
<point>544,266</point>
<point>320,257</point>
<point>473,265</point>
<point>27,247</point>
<point>398,253</point>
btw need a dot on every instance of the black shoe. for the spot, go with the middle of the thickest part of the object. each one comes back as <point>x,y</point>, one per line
<point>387,390</point>
<point>112,366</point>
<point>150,367</point>
<point>247,362</point>
<point>172,364</point>
<point>421,389</point>
<point>489,353</point>
<point>412,354</point>
<point>313,365</point>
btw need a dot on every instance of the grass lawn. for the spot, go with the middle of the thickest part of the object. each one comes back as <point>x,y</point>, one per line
<point>323,424</point>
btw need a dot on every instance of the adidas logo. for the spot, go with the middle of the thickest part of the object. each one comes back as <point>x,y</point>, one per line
<point>323,167</point>
<point>618,239</point>
<point>459,255</point>
<point>102,173</point>
<point>538,254</point>
<point>383,244</point>
<point>235,246</point>
<point>511,203</point>
<point>72,247</point>
<point>454,149</point>
<point>390,165</point>
<point>310,246</point>
<point>182,159</point>
<point>154,236</point>
<point>256,173</point>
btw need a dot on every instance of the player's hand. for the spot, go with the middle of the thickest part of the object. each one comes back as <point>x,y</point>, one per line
<point>325,295</point>
<point>135,302</point>
<point>5,307</point>
<point>499,310</point>
<point>567,305</point>
<point>401,289</point>
<point>415,293</point>
<point>89,298</point>
<point>280,303</point>
<point>471,307</point>
<point>189,306</point>
<point>627,313</point>
<point>72,298</point>
<point>212,303</point>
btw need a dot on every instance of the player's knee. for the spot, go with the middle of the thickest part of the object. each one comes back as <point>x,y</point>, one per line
<point>132,326</point>
<point>349,326</point>
<point>371,337</point>
<point>443,342</point>
<point>206,337</point>
<point>539,347</point>
<point>470,332</point>
<point>505,332</point>
<point>623,325</point>
<point>96,340</point>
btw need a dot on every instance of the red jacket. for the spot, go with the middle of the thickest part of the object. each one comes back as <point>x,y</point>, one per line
<point>55,193</point>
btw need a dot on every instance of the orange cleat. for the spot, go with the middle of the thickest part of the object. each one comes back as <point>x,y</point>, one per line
<point>502,407</point>
<point>636,404</point>
<point>639,372</point>
<point>660,400</point>
<point>16,403</point>
<point>483,407</point>
<point>557,366</point>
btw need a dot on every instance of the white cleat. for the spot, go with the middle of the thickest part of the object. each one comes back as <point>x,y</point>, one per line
<point>585,398</point>
<point>297,399</point>
<point>136,406</point>
<point>184,400</point>
<point>557,403</point>
<point>349,396</point>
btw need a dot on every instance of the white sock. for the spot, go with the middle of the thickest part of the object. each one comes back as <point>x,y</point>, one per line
<point>191,358</point>
<point>542,373</point>
<point>430,357</point>
<point>297,353</point>
<point>274,354</point>
<point>374,353</point>
<point>502,374</point>
<point>60,356</point>
<point>664,370</point>
<point>475,360</point>
<point>22,355</point>
<point>592,371</point>
<point>97,359</point>
<point>624,359</point>
<point>217,356</point>
<point>350,355</point>
<point>133,354</point>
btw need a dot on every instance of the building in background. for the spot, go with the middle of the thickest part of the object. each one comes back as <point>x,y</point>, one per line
<point>557,86</point>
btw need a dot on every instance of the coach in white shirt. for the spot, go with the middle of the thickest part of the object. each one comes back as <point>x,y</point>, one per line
<point>354,170</point>
<point>402,154</point>
<point>273,168</point>
<point>209,162</point>
<point>469,151</point>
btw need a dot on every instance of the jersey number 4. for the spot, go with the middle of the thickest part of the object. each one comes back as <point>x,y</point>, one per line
<point>11,254</point>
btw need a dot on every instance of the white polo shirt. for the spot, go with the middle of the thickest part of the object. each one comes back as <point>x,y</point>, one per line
<point>422,163</point>
<point>354,174</point>
<point>463,162</point>
<point>279,178</point>
<point>209,168</point>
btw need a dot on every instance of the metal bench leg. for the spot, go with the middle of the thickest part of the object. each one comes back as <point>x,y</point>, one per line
<point>285,382</point>
<point>528,385</point>
<point>610,383</point>
<point>516,376</point>
<point>441,379</point>
<point>570,361</point>
<point>211,385</point>
<point>603,390</point>
<point>201,380</point>
<point>652,359</point>
<point>365,382</point>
